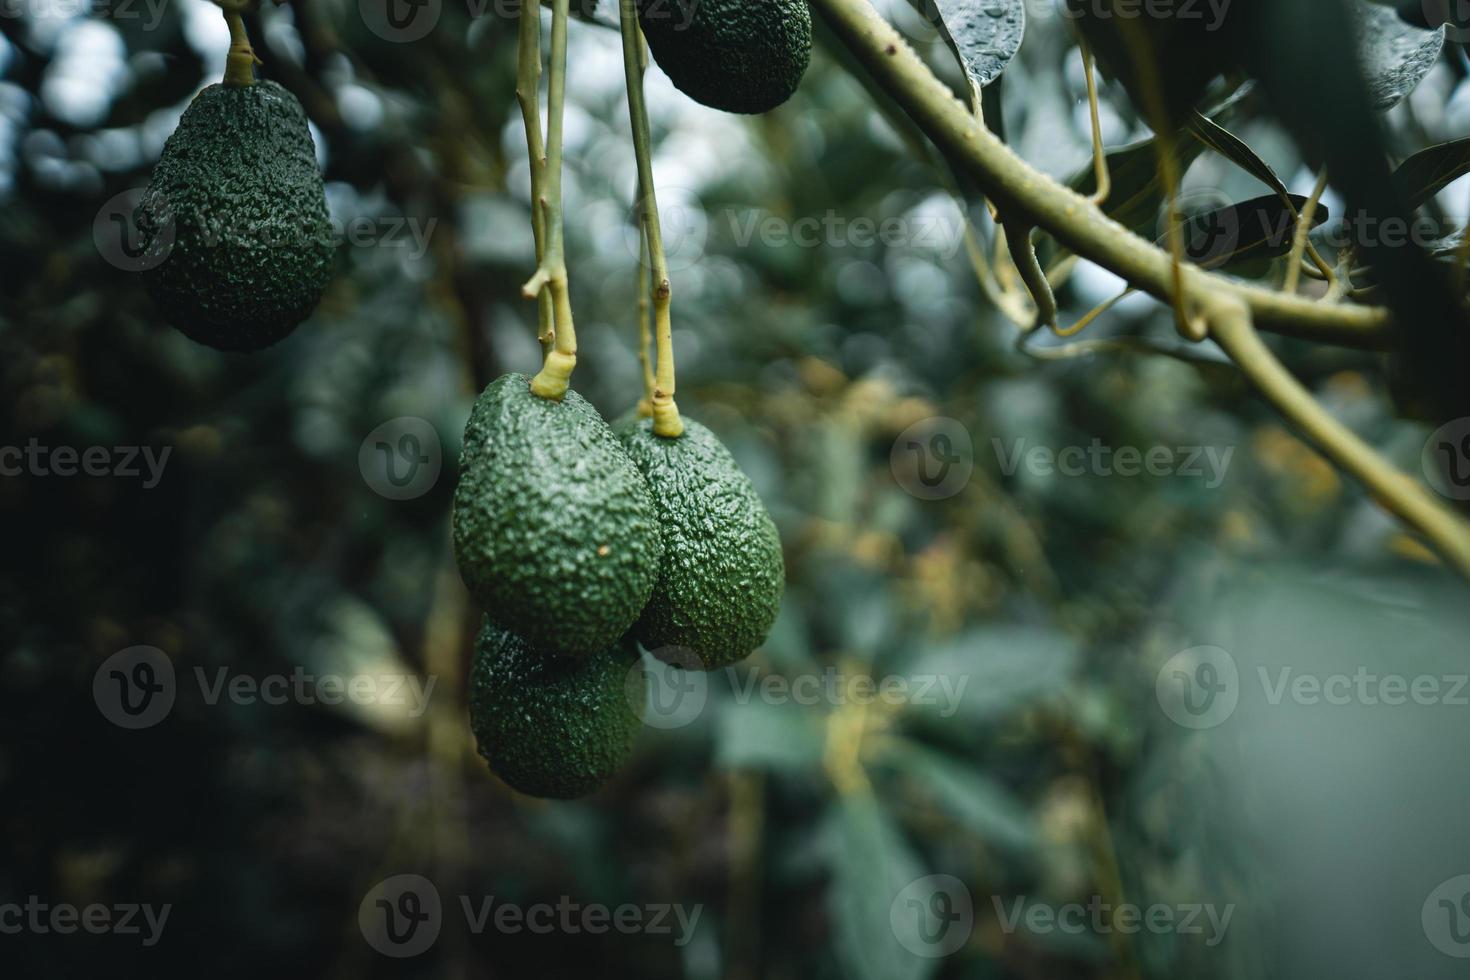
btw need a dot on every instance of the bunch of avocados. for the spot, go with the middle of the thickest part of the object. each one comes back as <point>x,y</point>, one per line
<point>745,56</point>
<point>581,542</point>
<point>234,225</point>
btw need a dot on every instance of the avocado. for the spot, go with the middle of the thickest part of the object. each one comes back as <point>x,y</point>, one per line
<point>737,55</point>
<point>720,585</point>
<point>555,530</point>
<point>237,214</point>
<point>553,726</point>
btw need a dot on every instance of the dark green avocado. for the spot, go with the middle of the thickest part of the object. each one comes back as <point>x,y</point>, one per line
<point>737,55</point>
<point>722,577</point>
<point>553,726</point>
<point>554,527</point>
<point>236,205</point>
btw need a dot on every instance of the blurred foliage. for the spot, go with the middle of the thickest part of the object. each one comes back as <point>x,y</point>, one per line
<point>264,550</point>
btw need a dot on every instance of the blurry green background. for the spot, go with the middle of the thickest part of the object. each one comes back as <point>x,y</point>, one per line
<point>1051,601</point>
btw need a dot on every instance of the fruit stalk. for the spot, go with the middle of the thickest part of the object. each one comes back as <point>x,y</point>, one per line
<point>241,61</point>
<point>666,420</point>
<point>556,375</point>
<point>528,94</point>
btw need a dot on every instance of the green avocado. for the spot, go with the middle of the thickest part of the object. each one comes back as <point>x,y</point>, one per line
<point>234,221</point>
<point>737,55</point>
<point>555,530</point>
<point>720,586</point>
<point>552,726</point>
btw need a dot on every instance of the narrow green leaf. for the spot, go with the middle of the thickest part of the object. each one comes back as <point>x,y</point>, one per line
<point>984,34</point>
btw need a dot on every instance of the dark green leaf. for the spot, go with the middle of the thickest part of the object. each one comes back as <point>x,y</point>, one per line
<point>1236,150</point>
<point>1430,171</point>
<point>762,735</point>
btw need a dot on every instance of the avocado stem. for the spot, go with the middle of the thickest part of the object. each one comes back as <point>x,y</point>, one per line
<point>528,94</point>
<point>241,61</point>
<point>555,375</point>
<point>666,420</point>
<point>645,322</point>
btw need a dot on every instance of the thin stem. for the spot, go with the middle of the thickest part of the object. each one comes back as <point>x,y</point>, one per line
<point>528,94</point>
<point>1064,214</point>
<point>556,374</point>
<point>1104,178</point>
<point>1096,312</point>
<point>1230,325</point>
<point>1023,253</point>
<point>645,320</point>
<point>1299,241</point>
<point>666,420</point>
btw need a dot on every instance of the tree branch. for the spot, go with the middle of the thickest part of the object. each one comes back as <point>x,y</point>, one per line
<point>1024,192</point>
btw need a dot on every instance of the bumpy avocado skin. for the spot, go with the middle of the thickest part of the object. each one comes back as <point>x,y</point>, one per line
<point>237,205</point>
<point>743,56</point>
<point>720,586</point>
<point>552,726</point>
<point>554,527</point>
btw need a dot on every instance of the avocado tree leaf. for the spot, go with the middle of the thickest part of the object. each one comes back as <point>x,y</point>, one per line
<point>984,34</point>
<point>1396,54</point>
<point>1236,150</point>
<point>979,803</point>
<point>874,864</point>
<point>1431,170</point>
